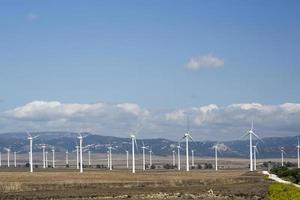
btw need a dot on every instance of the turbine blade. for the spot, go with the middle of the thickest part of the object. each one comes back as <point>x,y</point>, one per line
<point>257,137</point>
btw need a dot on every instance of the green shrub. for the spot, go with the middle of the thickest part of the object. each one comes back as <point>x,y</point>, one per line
<point>279,191</point>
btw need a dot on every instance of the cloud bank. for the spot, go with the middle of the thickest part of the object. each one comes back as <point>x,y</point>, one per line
<point>206,61</point>
<point>208,122</point>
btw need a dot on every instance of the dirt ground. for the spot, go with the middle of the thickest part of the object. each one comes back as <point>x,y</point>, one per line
<point>121,184</point>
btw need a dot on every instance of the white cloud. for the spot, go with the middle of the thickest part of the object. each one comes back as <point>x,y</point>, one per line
<point>205,61</point>
<point>207,122</point>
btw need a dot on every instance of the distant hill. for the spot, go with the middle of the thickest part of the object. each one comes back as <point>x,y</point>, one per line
<point>62,141</point>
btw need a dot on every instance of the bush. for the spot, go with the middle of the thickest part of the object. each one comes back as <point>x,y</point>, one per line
<point>292,175</point>
<point>67,166</point>
<point>208,166</point>
<point>152,166</point>
<point>279,191</point>
<point>199,166</point>
<point>27,165</point>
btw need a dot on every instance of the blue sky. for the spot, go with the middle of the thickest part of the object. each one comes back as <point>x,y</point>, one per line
<point>137,52</point>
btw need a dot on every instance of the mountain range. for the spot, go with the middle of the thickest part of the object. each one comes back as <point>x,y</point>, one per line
<point>62,141</point>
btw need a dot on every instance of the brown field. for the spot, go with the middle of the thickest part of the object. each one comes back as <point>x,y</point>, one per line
<point>121,184</point>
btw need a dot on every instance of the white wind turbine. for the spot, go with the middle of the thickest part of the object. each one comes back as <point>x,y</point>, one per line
<point>174,159</point>
<point>127,158</point>
<point>144,163</point>
<point>53,157</point>
<point>282,152</point>
<point>8,152</point>
<point>298,147</point>
<point>80,150</point>
<point>133,142</point>
<point>186,137</point>
<point>107,155</point>
<point>255,150</point>
<point>89,153</point>
<point>44,155</point>
<point>30,138</point>
<point>216,148</point>
<point>193,161</point>
<point>46,158</point>
<point>77,157</point>
<point>15,159</point>
<point>67,157</point>
<point>178,155</point>
<point>251,134</point>
<point>110,157</point>
<point>150,157</point>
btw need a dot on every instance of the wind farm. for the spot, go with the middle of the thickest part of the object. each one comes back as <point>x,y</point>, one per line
<point>164,100</point>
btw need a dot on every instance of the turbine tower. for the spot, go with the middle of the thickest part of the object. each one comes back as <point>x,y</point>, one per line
<point>0,159</point>
<point>107,153</point>
<point>80,150</point>
<point>8,151</point>
<point>216,148</point>
<point>144,163</point>
<point>173,153</point>
<point>44,156</point>
<point>186,137</point>
<point>67,157</point>
<point>251,134</point>
<point>282,152</point>
<point>89,152</point>
<point>254,156</point>
<point>150,157</point>
<point>298,147</point>
<point>30,138</point>
<point>15,159</point>
<point>77,157</point>
<point>178,154</point>
<point>127,158</point>
<point>53,157</point>
<point>193,163</point>
<point>110,158</point>
<point>133,142</point>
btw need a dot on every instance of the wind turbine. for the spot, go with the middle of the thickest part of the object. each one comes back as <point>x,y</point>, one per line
<point>15,159</point>
<point>186,137</point>
<point>282,152</point>
<point>53,157</point>
<point>193,163</point>
<point>67,157</point>
<point>216,148</point>
<point>254,155</point>
<point>44,155</point>
<point>77,157</point>
<point>251,133</point>
<point>110,158</point>
<point>127,158</point>
<point>174,160</point>
<point>150,157</point>
<point>46,158</point>
<point>8,151</point>
<point>144,163</point>
<point>133,142</point>
<point>80,150</point>
<point>89,152</point>
<point>107,153</point>
<point>298,147</point>
<point>178,154</point>
<point>30,138</point>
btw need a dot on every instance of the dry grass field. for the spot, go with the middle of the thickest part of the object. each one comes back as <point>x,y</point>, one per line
<point>121,184</point>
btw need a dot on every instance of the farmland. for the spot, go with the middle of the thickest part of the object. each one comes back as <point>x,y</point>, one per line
<point>121,184</point>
